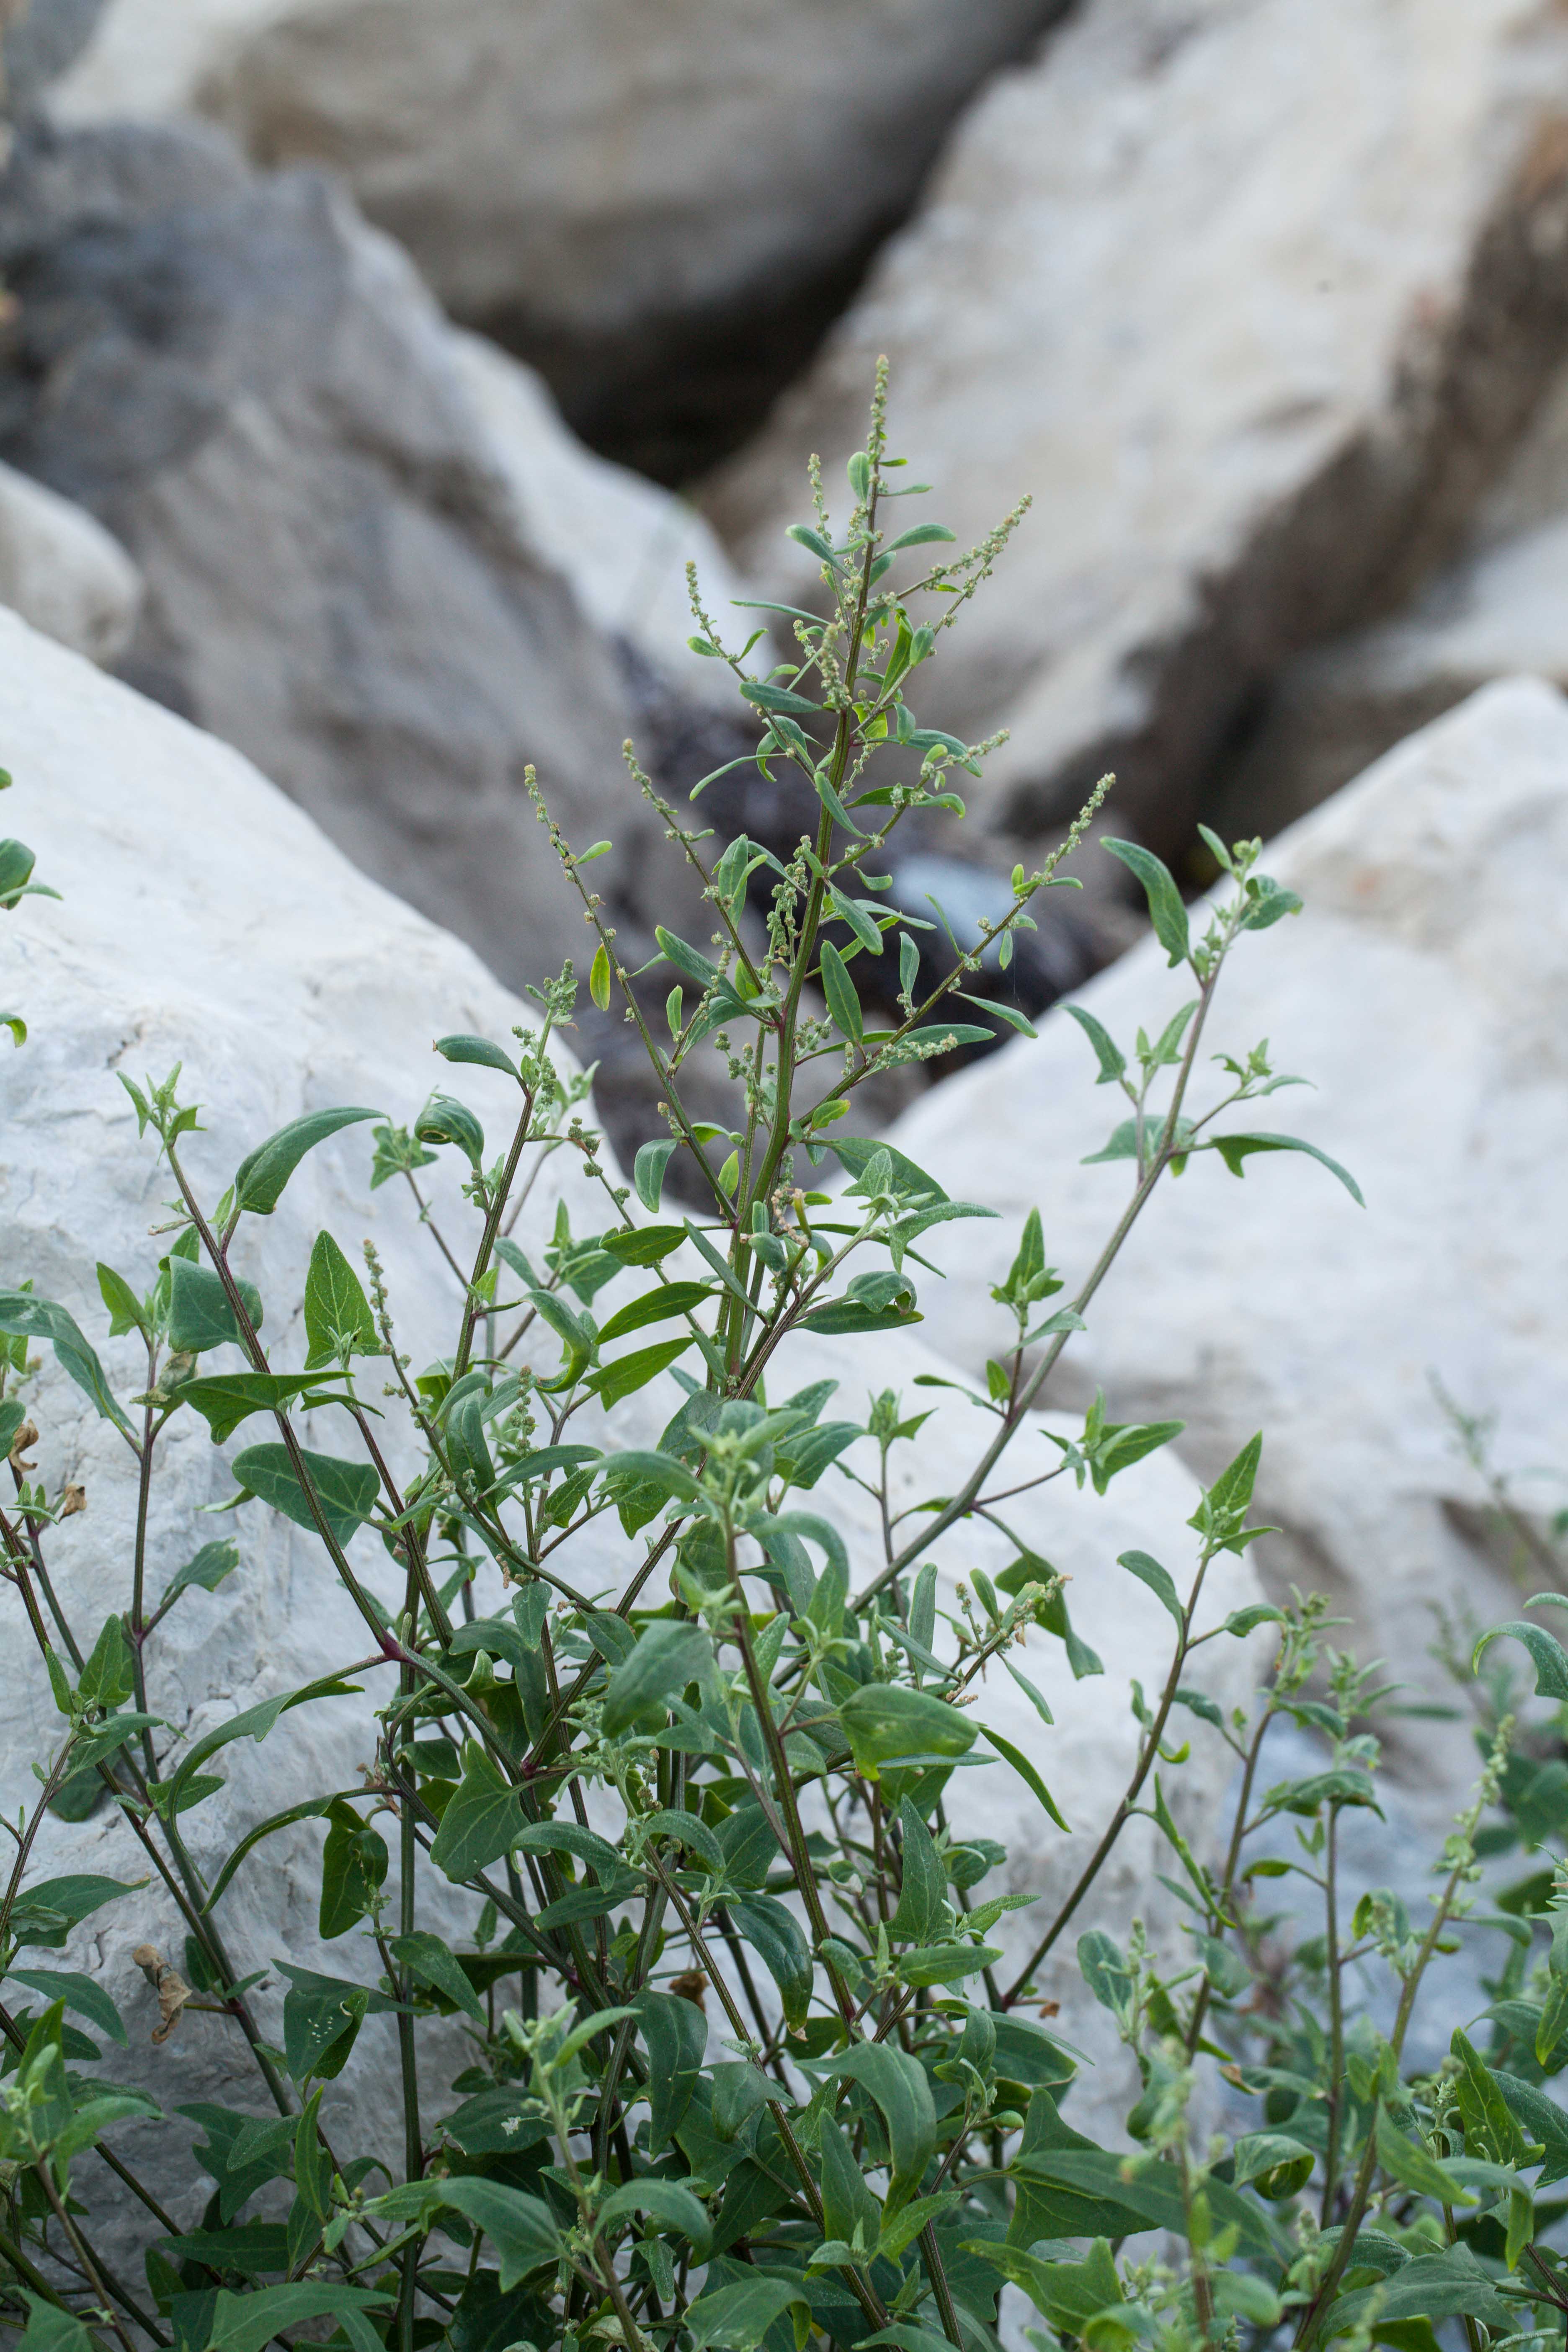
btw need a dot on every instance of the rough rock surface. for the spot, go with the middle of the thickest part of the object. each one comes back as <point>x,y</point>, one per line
<point>252,390</point>
<point>622,542</point>
<point>38,39</point>
<point>1424,992</point>
<point>63,572</point>
<point>205,920</point>
<point>1501,607</point>
<point>663,207</point>
<point>1252,360</point>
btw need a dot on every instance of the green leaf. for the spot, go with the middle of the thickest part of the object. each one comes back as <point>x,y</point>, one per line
<point>1490,2130</point>
<point>1447,2285</point>
<point>843,1004</point>
<point>1158,1579</point>
<point>226,1399</point>
<point>669,1654</point>
<point>428,1959</point>
<point>24,1316</point>
<point>245,2323</point>
<point>51,2329</point>
<point>1025,1771</point>
<point>655,1306</point>
<point>774,1935</point>
<point>857,1151</point>
<point>848,2203</point>
<point>922,1896</point>
<point>80,1992</point>
<point>1113,1061</point>
<point>1280,2164</point>
<point>1166,911</point>
<point>685,959</point>
<point>1410,2164</point>
<point>924,534</point>
<point>125,1309</point>
<point>442,1120</point>
<point>308,1808</point>
<point>1153,2192</point>
<point>1543,2119</point>
<point>675,2032</point>
<point>1234,1148</point>
<point>321,2018</point>
<point>738,2317</point>
<point>482,1821</point>
<point>346,1490</point>
<point>1550,1657</point>
<point>648,1171</point>
<point>887,1721</point>
<point>200,1316</point>
<point>644,1245</point>
<point>1067,2294</point>
<point>626,1374</point>
<point>1008,1013</point>
<point>664,2201</point>
<point>859,914</point>
<point>353,1870</point>
<point>254,1723</point>
<point>207,1569</point>
<point>946,1963</point>
<point>261,1176</point>
<point>518,2226</point>
<point>46,1913</point>
<point>477,1050</point>
<point>902,2089</point>
<point>338,1320</point>
<point>779,697</point>
<point>1133,1136</point>
<point>599,977</point>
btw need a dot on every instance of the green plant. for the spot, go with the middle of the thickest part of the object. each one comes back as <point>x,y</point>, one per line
<point>880,2146</point>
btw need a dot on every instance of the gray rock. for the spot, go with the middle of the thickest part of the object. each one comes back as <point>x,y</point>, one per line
<point>1500,607</point>
<point>663,207</point>
<point>1250,296</point>
<point>1423,994</point>
<point>41,39</point>
<point>62,571</point>
<point>252,391</point>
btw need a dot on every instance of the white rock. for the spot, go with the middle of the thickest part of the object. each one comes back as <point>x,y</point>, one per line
<point>204,921</point>
<point>620,191</point>
<point>1423,994</point>
<point>63,572</point>
<point>623,542</point>
<point>1247,358</point>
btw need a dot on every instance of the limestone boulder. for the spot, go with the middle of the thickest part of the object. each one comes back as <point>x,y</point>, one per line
<point>662,207</point>
<point>1423,994</point>
<point>205,921</point>
<point>622,542</point>
<point>63,572</point>
<point>1248,298</point>
<point>1499,606</point>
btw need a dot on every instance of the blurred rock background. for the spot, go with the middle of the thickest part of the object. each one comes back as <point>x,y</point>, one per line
<point>370,372</point>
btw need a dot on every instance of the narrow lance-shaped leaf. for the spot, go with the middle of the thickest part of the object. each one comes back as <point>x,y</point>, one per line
<point>261,1176</point>
<point>26,1316</point>
<point>843,1004</point>
<point>1166,912</point>
<point>1234,1148</point>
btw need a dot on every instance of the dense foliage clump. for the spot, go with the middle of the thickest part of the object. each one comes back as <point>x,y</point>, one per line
<point>672,1864</point>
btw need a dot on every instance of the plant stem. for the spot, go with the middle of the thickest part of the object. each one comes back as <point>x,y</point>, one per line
<point>1149,1750</point>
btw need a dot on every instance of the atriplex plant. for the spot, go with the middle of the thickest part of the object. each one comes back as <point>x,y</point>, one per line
<point>878,2143</point>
